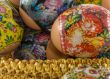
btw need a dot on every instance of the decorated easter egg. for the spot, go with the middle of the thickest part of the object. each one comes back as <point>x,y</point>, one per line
<point>33,45</point>
<point>82,31</point>
<point>88,72</point>
<point>40,14</point>
<point>10,31</point>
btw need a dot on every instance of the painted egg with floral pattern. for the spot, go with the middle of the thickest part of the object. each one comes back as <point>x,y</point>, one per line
<point>88,72</point>
<point>82,31</point>
<point>10,31</point>
<point>40,14</point>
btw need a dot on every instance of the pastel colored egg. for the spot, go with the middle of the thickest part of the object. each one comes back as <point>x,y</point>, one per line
<point>82,31</point>
<point>41,14</point>
<point>10,31</point>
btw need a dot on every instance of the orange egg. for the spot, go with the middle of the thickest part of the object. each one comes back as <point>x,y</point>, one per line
<point>82,31</point>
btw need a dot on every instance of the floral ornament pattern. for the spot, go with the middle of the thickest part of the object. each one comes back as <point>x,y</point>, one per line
<point>49,9</point>
<point>15,12</point>
<point>10,31</point>
<point>88,72</point>
<point>33,45</point>
<point>85,31</point>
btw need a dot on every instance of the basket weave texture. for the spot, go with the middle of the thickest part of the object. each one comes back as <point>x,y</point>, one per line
<point>39,69</point>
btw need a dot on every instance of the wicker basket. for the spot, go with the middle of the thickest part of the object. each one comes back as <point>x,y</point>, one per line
<point>39,69</point>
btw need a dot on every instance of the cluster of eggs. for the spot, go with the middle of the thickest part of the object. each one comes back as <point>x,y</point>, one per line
<point>81,31</point>
<point>40,15</point>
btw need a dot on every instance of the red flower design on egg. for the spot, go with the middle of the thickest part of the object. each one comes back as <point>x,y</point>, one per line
<point>14,29</point>
<point>83,42</point>
<point>91,25</point>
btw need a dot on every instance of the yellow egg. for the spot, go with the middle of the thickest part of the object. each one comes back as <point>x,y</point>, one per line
<point>10,31</point>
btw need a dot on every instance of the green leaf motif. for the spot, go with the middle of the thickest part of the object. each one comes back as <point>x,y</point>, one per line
<point>9,39</point>
<point>72,19</point>
<point>105,34</point>
<point>9,25</point>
